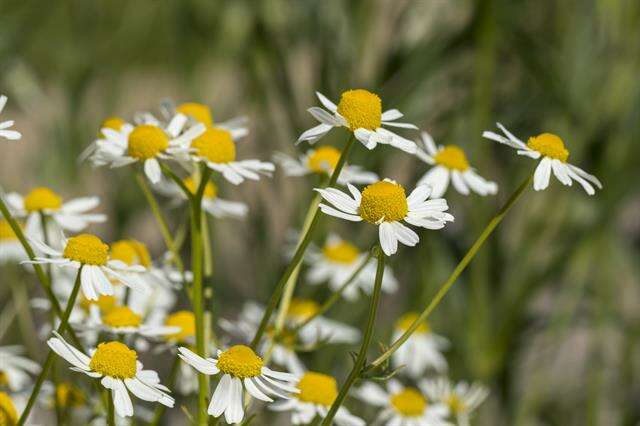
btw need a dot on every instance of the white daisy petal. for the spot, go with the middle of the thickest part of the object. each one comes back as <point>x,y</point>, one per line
<point>388,240</point>
<point>542,174</point>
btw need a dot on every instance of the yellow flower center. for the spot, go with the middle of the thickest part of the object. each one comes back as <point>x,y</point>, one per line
<point>452,157</point>
<point>240,361</point>
<point>199,112</point>
<point>114,359</point>
<point>383,201</point>
<point>8,413</point>
<point>6,232</point>
<point>361,109</point>
<point>147,141</point>
<point>216,145</point>
<point>409,318</point>
<point>456,405</point>
<point>549,145</point>
<point>120,317</point>
<point>105,303</point>
<point>87,249</point>
<point>317,388</point>
<point>301,309</point>
<point>341,252</point>
<point>409,402</point>
<point>114,123</point>
<point>69,395</point>
<point>183,320</point>
<point>42,198</point>
<point>323,159</point>
<point>210,189</point>
<point>131,252</point>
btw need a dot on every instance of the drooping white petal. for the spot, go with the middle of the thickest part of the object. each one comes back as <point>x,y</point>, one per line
<point>542,174</point>
<point>388,240</point>
<point>221,397</point>
<point>205,366</point>
<point>152,170</point>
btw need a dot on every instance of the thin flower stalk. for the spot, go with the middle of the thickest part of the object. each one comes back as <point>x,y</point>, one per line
<point>301,249</point>
<point>446,286</point>
<point>366,341</point>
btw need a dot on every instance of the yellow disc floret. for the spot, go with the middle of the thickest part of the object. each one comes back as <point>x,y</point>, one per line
<point>215,145</point>
<point>120,317</point>
<point>240,361</point>
<point>317,388</point>
<point>323,159</point>
<point>147,141</point>
<point>114,359</point>
<point>42,198</point>
<point>452,157</point>
<point>69,395</point>
<point>6,232</point>
<point>408,319</point>
<point>199,112</point>
<point>301,309</point>
<point>8,413</point>
<point>341,252</point>
<point>184,320</point>
<point>114,123</point>
<point>105,303</point>
<point>361,109</point>
<point>549,145</point>
<point>87,249</point>
<point>383,201</point>
<point>409,402</point>
<point>210,189</point>
<point>131,252</point>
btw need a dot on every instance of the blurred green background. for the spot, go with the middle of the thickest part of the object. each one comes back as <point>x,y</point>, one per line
<point>548,316</point>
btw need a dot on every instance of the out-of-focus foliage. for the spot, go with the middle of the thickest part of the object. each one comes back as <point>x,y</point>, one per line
<point>549,314</point>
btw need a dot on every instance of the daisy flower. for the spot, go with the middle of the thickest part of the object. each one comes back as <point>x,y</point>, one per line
<point>403,406</point>
<point>15,369</point>
<point>122,320</point>
<point>385,204</point>
<point>451,164</point>
<point>285,346</point>
<point>462,398</point>
<point>216,148</point>
<point>338,260</point>
<point>316,394</point>
<point>8,413</point>
<point>322,161</point>
<point>145,143</point>
<point>119,370</point>
<point>241,370</point>
<point>89,253</point>
<point>421,351</point>
<point>10,248</point>
<point>201,113</point>
<point>135,253</point>
<point>360,111</point>
<point>211,202</point>
<point>554,156</point>
<point>69,215</point>
<point>5,131</point>
<point>114,123</point>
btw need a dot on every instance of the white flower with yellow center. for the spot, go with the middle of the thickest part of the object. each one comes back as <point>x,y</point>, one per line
<point>317,392</point>
<point>338,260</point>
<point>201,113</point>
<point>216,148</point>
<point>119,370</point>
<point>88,252</point>
<point>554,156</point>
<point>15,369</point>
<point>10,248</point>
<point>122,320</point>
<point>241,370</point>
<point>114,123</point>
<point>403,406</point>
<point>323,161</point>
<point>386,205</point>
<point>461,398</point>
<point>451,164</point>
<point>287,343</point>
<point>8,413</point>
<point>145,143</point>
<point>211,202</point>
<point>69,215</point>
<point>360,111</point>
<point>423,350</point>
<point>5,126</point>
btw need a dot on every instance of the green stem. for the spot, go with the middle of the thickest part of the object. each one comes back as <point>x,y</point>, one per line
<point>111,420</point>
<point>162,223</point>
<point>160,409</point>
<point>64,322</point>
<point>468,257</point>
<point>335,296</point>
<point>366,340</point>
<point>299,254</point>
